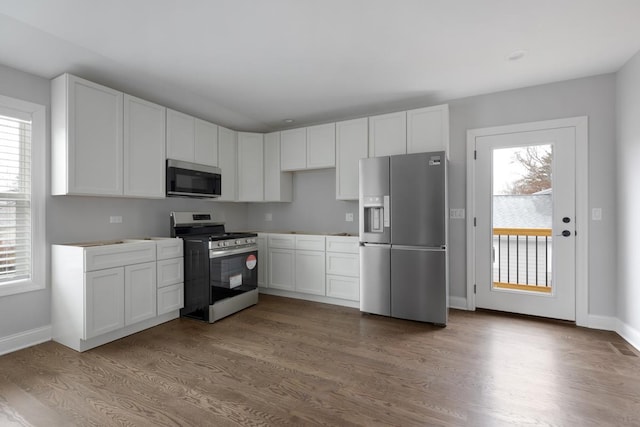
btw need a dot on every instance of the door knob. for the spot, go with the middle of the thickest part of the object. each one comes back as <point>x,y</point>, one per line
<point>566,233</point>
<point>566,220</point>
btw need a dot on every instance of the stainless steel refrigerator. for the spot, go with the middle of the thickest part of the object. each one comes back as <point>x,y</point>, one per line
<point>403,237</point>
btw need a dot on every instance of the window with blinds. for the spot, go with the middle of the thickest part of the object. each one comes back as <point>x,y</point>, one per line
<point>15,199</point>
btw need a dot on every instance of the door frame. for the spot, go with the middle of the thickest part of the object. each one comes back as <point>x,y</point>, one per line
<point>581,125</point>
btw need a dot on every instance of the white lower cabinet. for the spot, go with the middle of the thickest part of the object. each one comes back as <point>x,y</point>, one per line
<point>104,302</point>
<point>311,266</point>
<point>310,272</point>
<point>170,270</point>
<point>139,292</point>
<point>343,267</point>
<point>106,290</point>
<point>282,269</point>
<point>170,298</point>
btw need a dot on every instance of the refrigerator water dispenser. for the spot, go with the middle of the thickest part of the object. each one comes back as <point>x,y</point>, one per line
<point>376,214</point>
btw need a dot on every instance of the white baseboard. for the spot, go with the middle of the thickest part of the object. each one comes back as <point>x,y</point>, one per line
<point>25,339</point>
<point>605,323</point>
<point>459,303</point>
<point>629,333</point>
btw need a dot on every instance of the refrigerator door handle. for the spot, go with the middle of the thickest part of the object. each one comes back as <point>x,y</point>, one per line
<point>420,248</point>
<point>386,211</point>
<point>376,245</point>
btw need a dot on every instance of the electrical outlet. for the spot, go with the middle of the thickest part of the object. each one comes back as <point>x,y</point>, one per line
<point>349,217</point>
<point>268,217</point>
<point>456,213</point>
<point>115,219</point>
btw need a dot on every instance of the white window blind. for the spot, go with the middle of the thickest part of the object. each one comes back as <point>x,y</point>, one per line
<point>15,197</point>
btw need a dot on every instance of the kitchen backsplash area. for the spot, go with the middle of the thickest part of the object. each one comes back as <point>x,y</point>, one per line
<point>314,207</point>
<point>81,219</point>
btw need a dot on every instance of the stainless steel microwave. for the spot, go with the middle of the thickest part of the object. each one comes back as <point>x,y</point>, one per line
<point>185,179</point>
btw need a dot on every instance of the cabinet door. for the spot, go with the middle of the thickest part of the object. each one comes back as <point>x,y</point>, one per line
<point>343,287</point>
<point>140,292</point>
<point>104,301</point>
<point>263,263</point>
<point>343,264</point>
<point>250,167</point>
<point>227,159</point>
<point>144,148</point>
<point>170,298</point>
<point>388,134</point>
<point>321,146</point>
<point>281,269</point>
<point>428,129</point>
<point>94,150</point>
<point>206,143</point>
<point>278,186</point>
<point>170,271</point>
<point>352,144</point>
<point>293,149</point>
<point>310,272</point>
<point>180,136</point>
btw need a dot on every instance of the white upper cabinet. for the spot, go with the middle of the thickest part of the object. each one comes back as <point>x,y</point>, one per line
<point>191,139</point>
<point>250,167</point>
<point>180,136</point>
<point>321,146</point>
<point>206,143</point>
<point>87,133</point>
<point>428,129</point>
<point>228,159</point>
<point>278,186</point>
<point>312,147</point>
<point>351,146</point>
<point>293,149</point>
<point>388,134</point>
<point>144,148</point>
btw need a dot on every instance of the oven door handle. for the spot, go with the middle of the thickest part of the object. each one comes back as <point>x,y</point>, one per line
<point>213,253</point>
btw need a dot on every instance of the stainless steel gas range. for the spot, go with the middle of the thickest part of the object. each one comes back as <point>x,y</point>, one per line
<point>220,268</point>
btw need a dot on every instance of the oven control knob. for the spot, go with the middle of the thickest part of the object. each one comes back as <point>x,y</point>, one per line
<point>226,243</point>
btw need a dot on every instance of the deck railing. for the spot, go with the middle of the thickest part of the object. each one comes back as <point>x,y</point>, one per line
<point>522,259</point>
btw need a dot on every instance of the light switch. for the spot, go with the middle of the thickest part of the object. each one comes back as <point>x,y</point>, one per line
<point>349,217</point>
<point>596,214</point>
<point>268,217</point>
<point>115,219</point>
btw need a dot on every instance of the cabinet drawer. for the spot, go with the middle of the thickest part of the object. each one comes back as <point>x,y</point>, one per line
<point>170,298</point>
<point>170,271</point>
<point>169,248</point>
<point>343,264</point>
<point>309,242</point>
<point>117,255</point>
<point>343,287</point>
<point>283,241</point>
<point>347,244</point>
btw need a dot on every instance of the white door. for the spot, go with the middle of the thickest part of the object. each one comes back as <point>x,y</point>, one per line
<point>525,253</point>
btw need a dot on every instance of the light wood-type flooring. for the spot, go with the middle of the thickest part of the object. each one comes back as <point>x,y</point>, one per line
<point>291,362</point>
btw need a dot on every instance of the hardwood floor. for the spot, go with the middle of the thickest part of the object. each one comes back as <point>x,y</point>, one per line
<point>292,362</point>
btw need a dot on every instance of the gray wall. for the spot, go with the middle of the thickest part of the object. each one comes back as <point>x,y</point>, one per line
<point>74,219</point>
<point>628,128</point>
<point>593,97</point>
<point>314,207</point>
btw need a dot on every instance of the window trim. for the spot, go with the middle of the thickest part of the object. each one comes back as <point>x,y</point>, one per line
<point>38,184</point>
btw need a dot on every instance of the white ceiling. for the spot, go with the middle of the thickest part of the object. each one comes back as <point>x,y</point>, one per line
<point>249,64</point>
